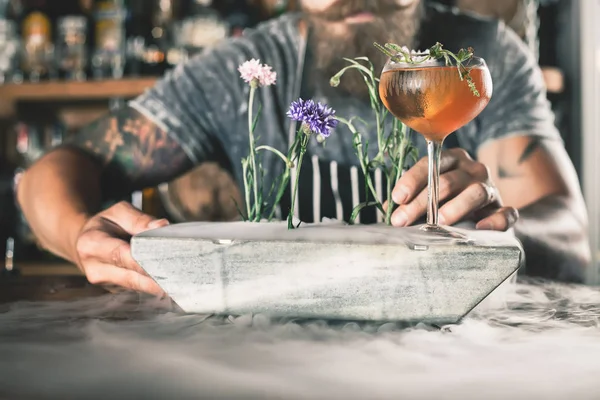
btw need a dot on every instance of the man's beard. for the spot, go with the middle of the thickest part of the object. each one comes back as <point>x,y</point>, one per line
<point>391,24</point>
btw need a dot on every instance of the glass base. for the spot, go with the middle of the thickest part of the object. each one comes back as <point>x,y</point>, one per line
<point>444,233</point>
<point>423,236</point>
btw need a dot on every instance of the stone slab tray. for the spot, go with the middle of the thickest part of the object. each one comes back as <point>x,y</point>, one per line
<point>325,271</point>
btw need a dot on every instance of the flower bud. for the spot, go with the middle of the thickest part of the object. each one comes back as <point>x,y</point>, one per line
<point>306,129</point>
<point>320,139</point>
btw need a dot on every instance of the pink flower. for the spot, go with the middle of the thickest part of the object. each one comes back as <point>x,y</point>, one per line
<point>254,73</point>
<point>267,77</point>
<point>250,70</point>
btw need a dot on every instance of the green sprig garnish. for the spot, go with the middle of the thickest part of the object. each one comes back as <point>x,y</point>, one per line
<point>436,52</point>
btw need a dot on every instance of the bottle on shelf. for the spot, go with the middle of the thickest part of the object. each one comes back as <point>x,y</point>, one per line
<point>72,41</point>
<point>158,39</point>
<point>37,44</point>
<point>203,27</point>
<point>136,27</point>
<point>9,44</point>
<point>108,55</point>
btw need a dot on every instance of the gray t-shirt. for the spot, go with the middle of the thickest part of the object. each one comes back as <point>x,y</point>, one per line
<point>204,105</point>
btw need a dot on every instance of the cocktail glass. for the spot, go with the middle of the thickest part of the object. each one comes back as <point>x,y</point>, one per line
<point>434,99</point>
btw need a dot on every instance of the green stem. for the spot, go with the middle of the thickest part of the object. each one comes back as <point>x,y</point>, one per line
<point>286,175</point>
<point>303,147</point>
<point>284,181</point>
<point>397,168</point>
<point>275,151</point>
<point>404,144</point>
<point>257,207</point>
<point>391,204</point>
<point>246,188</point>
<point>361,157</point>
<point>365,170</point>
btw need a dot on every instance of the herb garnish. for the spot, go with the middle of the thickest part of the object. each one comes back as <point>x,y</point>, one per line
<point>401,54</point>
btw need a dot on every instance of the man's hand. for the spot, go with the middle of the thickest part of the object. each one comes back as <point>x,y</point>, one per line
<point>466,192</point>
<point>104,253</point>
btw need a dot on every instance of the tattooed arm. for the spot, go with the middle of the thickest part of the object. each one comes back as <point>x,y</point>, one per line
<point>133,152</point>
<point>537,177</point>
<point>115,155</point>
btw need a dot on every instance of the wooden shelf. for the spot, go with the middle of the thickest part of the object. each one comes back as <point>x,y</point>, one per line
<point>11,94</point>
<point>48,269</point>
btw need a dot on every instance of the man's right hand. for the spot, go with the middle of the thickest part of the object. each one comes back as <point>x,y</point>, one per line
<point>104,252</point>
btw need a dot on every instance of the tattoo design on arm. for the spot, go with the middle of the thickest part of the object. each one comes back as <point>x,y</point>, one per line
<point>511,171</point>
<point>503,173</point>
<point>543,185</point>
<point>534,144</point>
<point>135,153</point>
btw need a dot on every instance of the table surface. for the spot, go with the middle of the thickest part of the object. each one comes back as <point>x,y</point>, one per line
<point>533,340</point>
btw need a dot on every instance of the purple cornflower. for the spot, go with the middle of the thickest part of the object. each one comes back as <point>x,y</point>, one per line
<point>318,118</point>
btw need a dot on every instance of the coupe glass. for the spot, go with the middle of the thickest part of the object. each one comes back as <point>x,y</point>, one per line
<point>433,100</point>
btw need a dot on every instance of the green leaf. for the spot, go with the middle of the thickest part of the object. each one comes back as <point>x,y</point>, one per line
<point>359,208</point>
<point>359,119</point>
<point>374,164</point>
<point>370,64</point>
<point>256,117</point>
<point>387,52</point>
<point>358,65</point>
<point>414,153</point>
<point>395,47</point>
<point>237,206</point>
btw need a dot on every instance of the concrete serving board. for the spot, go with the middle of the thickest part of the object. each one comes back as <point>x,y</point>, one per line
<point>326,271</point>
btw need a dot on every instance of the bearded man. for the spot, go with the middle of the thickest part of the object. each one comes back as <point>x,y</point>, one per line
<point>507,168</point>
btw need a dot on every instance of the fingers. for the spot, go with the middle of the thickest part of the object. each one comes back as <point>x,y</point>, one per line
<point>474,197</point>
<point>500,219</point>
<point>104,251</point>
<point>414,180</point>
<point>130,219</point>
<point>451,183</point>
<point>100,246</point>
<point>99,273</point>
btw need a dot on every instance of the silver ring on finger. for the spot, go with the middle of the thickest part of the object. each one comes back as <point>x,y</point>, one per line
<point>492,193</point>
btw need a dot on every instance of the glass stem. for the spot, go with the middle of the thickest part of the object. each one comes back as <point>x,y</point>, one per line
<point>434,152</point>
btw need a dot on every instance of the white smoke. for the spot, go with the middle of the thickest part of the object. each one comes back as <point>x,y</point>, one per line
<point>535,340</point>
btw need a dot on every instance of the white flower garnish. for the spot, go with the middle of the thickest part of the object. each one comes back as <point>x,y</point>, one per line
<point>415,56</point>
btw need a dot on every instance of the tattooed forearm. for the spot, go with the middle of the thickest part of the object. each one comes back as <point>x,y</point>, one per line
<point>504,173</point>
<point>509,166</point>
<point>534,144</point>
<point>539,180</point>
<point>134,152</point>
<point>555,239</point>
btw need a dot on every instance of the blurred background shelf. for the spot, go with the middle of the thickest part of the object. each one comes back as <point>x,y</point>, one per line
<point>103,89</point>
<point>13,94</point>
<point>48,269</point>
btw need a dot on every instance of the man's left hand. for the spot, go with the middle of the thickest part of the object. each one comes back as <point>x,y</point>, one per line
<point>466,193</point>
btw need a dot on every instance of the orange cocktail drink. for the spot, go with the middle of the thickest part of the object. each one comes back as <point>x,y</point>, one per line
<point>435,97</point>
<point>434,101</point>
